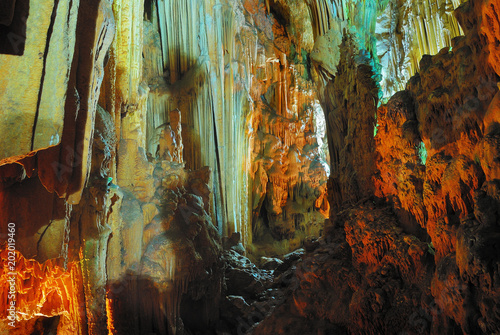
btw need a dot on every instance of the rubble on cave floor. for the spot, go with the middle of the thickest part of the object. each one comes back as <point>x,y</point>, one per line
<point>285,296</point>
<point>252,292</point>
<point>268,298</point>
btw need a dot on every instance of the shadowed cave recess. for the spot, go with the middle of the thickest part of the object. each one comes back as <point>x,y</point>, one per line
<point>222,167</point>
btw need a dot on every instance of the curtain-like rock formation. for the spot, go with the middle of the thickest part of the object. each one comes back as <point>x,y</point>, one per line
<point>216,72</point>
<point>288,168</point>
<point>395,33</point>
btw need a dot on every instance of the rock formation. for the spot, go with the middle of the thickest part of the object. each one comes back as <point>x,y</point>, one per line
<point>406,258</point>
<point>249,166</point>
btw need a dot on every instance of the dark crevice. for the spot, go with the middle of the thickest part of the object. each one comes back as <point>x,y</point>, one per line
<point>219,173</point>
<point>148,10</point>
<point>280,12</point>
<point>46,325</point>
<point>13,18</point>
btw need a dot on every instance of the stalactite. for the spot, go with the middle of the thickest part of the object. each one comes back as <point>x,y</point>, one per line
<point>212,106</point>
<point>285,180</point>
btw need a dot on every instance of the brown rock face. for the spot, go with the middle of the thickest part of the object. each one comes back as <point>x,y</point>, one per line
<point>368,280</point>
<point>399,162</point>
<point>490,28</point>
<point>454,195</point>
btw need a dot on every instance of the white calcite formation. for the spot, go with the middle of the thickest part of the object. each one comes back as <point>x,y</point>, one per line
<point>214,61</point>
<point>397,33</point>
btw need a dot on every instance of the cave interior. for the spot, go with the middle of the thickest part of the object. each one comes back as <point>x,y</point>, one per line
<point>260,167</point>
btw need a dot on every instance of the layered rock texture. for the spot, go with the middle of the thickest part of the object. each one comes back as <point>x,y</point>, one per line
<point>249,166</point>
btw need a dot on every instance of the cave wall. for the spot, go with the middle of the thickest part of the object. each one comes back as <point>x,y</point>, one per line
<point>46,175</point>
<point>139,150</point>
<point>415,253</point>
<point>243,87</point>
<point>288,169</point>
<point>216,72</point>
<point>435,166</point>
<point>157,127</point>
